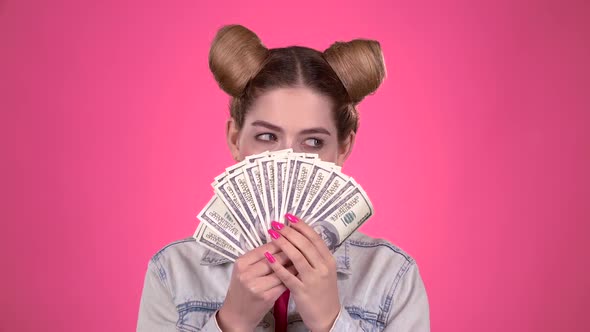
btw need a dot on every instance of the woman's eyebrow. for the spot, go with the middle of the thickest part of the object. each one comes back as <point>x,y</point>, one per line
<point>260,123</point>
<point>317,130</point>
<point>267,125</point>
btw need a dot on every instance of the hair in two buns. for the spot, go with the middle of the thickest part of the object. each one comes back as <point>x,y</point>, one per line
<point>237,56</point>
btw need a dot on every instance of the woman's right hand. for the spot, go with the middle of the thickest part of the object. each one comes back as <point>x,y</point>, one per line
<point>253,289</point>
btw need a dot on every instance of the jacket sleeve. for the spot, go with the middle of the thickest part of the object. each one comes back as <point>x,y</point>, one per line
<point>409,307</point>
<point>157,311</point>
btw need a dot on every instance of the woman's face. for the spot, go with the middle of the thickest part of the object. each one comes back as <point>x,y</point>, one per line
<point>296,118</point>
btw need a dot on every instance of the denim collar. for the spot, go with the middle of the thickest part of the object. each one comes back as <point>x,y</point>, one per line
<point>341,255</point>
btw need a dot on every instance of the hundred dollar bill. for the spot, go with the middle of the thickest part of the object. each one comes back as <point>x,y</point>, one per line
<point>247,200</point>
<point>211,240</point>
<point>281,171</point>
<point>280,153</point>
<point>267,178</point>
<point>329,201</point>
<point>302,171</point>
<point>335,181</point>
<point>239,165</point>
<point>247,160</point>
<point>225,191</point>
<point>337,222</point>
<point>292,177</point>
<point>254,182</point>
<point>317,180</point>
<point>217,216</point>
<point>329,165</point>
<point>289,179</point>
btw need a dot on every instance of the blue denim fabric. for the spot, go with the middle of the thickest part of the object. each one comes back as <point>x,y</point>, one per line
<point>379,285</point>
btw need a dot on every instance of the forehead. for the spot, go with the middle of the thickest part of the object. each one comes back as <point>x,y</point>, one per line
<point>292,108</point>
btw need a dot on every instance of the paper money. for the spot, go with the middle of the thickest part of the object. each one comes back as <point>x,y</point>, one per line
<point>216,215</point>
<point>246,199</point>
<point>226,193</point>
<point>254,182</point>
<point>210,239</point>
<point>263,187</point>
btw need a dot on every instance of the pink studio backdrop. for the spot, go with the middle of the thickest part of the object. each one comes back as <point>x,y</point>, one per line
<point>475,150</point>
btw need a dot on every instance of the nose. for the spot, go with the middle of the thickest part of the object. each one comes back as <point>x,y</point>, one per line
<point>288,143</point>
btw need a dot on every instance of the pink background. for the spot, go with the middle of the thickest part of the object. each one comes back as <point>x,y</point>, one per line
<point>475,150</point>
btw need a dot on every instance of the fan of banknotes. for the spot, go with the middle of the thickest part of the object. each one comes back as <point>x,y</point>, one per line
<point>262,188</point>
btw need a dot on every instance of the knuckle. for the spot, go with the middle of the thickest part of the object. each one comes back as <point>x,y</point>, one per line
<point>323,271</point>
<point>254,290</point>
<point>242,278</point>
<point>299,259</point>
<point>239,265</point>
<point>286,278</point>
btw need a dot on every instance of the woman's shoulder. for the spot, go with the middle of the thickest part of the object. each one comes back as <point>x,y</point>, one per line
<point>183,247</point>
<point>180,252</point>
<point>187,263</point>
<point>374,244</point>
<point>367,250</point>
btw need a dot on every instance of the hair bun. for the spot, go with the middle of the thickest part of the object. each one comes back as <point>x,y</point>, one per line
<point>359,65</point>
<point>235,57</point>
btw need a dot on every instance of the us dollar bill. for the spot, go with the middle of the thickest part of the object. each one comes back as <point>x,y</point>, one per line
<point>247,200</point>
<point>249,159</point>
<point>267,178</point>
<point>263,187</point>
<point>341,192</point>
<point>302,171</point>
<point>213,241</point>
<point>335,223</point>
<point>317,180</point>
<point>254,181</point>
<point>281,171</point>
<point>289,179</point>
<point>218,217</point>
<point>292,179</point>
<point>336,180</point>
<point>225,191</point>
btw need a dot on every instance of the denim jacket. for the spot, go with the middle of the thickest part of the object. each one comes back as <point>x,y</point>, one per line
<point>379,285</point>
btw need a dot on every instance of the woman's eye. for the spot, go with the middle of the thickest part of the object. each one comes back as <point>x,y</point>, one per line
<point>314,143</point>
<point>266,137</point>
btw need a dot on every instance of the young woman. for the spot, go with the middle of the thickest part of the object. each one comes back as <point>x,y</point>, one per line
<point>303,99</point>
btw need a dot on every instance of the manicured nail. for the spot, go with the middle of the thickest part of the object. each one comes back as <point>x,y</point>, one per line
<point>277,225</point>
<point>292,218</point>
<point>274,234</point>
<point>270,257</point>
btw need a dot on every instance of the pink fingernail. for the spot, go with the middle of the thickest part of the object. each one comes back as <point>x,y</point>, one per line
<point>274,234</point>
<point>292,218</point>
<point>277,225</point>
<point>269,257</point>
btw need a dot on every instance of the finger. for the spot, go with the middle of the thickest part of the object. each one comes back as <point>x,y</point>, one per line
<point>287,278</point>
<point>306,247</point>
<point>268,282</point>
<point>313,237</point>
<point>296,257</point>
<point>273,294</point>
<point>261,268</point>
<point>257,254</point>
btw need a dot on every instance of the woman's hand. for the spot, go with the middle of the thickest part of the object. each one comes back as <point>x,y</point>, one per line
<point>253,289</point>
<point>314,289</point>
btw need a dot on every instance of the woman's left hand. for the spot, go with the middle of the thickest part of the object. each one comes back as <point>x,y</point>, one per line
<point>314,289</point>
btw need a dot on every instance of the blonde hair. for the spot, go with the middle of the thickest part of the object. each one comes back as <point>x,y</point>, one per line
<point>346,72</point>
